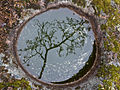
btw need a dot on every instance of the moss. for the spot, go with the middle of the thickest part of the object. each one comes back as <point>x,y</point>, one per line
<point>23,84</point>
<point>110,75</point>
<point>100,5</point>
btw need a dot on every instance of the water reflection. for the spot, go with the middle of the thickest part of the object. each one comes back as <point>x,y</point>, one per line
<point>82,71</point>
<point>64,36</point>
<point>55,47</point>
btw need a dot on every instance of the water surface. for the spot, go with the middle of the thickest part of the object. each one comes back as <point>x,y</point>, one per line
<point>55,45</point>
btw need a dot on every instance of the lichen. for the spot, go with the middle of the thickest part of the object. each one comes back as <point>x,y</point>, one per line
<point>103,9</point>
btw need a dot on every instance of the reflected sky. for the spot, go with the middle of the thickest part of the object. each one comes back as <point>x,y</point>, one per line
<point>61,66</point>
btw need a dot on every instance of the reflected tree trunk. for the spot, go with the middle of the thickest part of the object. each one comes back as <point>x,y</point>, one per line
<point>44,64</point>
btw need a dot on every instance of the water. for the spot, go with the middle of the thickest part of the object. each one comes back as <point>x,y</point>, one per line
<point>58,43</point>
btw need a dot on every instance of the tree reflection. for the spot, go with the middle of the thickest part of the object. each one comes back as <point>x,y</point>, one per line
<point>64,36</point>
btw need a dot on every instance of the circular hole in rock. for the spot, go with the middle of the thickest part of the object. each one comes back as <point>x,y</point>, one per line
<point>57,46</point>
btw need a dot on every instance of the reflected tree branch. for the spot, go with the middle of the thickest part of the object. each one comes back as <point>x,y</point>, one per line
<point>28,58</point>
<point>40,54</point>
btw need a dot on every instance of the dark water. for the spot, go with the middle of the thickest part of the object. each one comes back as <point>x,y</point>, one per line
<point>55,45</point>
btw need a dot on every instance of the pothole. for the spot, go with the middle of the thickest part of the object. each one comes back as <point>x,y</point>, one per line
<point>58,46</point>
